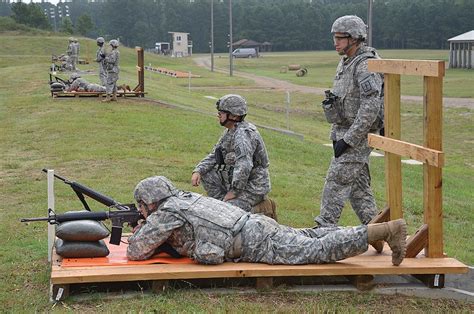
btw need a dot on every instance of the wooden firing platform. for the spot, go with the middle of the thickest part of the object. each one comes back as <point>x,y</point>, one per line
<point>95,94</point>
<point>363,266</point>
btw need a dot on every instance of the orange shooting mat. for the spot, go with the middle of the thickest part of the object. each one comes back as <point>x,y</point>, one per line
<point>118,257</point>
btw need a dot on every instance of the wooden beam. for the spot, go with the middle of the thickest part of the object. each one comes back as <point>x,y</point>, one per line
<point>432,281</point>
<point>383,216</point>
<point>417,242</point>
<point>362,282</point>
<point>393,164</point>
<point>426,155</point>
<point>264,283</point>
<point>432,176</point>
<point>407,67</point>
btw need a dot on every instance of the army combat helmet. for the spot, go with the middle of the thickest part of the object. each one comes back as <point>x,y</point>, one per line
<point>114,43</point>
<point>74,76</point>
<point>234,104</point>
<point>154,190</point>
<point>100,40</point>
<point>351,25</point>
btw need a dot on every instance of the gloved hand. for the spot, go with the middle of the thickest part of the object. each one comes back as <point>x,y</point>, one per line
<point>340,148</point>
<point>102,55</point>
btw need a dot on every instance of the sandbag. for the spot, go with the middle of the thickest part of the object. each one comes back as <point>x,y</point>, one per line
<point>81,230</point>
<point>81,249</point>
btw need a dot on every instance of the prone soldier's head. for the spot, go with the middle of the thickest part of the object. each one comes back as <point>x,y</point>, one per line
<point>74,76</point>
<point>348,28</point>
<point>231,108</point>
<point>100,41</point>
<point>154,190</point>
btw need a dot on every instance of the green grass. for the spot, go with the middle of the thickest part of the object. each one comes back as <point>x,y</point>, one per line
<point>110,147</point>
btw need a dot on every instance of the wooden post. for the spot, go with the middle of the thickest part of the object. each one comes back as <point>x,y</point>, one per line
<point>393,165</point>
<point>140,70</point>
<point>432,176</point>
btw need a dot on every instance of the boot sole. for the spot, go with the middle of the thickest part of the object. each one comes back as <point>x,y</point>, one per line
<point>403,242</point>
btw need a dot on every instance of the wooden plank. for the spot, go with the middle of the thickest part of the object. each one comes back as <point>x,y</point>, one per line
<point>426,155</point>
<point>376,264</point>
<point>362,282</point>
<point>393,164</point>
<point>407,67</point>
<point>432,176</point>
<point>264,283</point>
<point>417,242</point>
<point>383,216</point>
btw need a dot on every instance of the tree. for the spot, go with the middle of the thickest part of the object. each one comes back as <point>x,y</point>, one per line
<point>66,25</point>
<point>84,24</point>
<point>30,14</point>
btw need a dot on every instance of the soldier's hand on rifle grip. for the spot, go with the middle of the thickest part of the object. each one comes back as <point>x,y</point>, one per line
<point>196,179</point>
<point>340,147</point>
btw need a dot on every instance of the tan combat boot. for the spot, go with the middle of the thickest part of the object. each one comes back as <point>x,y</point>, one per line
<point>114,97</point>
<point>395,233</point>
<point>266,207</point>
<point>107,98</point>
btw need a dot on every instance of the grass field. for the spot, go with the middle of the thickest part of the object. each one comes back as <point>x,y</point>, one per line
<point>110,147</point>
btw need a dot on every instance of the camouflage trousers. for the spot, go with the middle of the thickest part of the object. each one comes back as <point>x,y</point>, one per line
<point>102,76</point>
<point>346,181</point>
<point>266,241</point>
<point>111,86</point>
<point>216,183</point>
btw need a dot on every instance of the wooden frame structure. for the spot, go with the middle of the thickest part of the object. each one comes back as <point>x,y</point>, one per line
<point>430,235</point>
<point>138,91</point>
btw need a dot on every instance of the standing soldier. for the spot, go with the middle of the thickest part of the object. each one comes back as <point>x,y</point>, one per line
<point>101,60</point>
<point>75,53</point>
<point>354,108</point>
<point>111,61</point>
<point>236,171</point>
<point>69,52</point>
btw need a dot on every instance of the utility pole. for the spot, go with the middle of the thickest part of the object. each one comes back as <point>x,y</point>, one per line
<point>212,35</point>
<point>369,22</point>
<point>231,61</point>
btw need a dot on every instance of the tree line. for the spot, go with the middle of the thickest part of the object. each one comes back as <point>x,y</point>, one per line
<point>286,24</point>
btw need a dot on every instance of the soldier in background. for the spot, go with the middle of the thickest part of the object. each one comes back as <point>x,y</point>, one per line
<point>212,232</point>
<point>355,109</point>
<point>70,49</point>
<point>78,84</point>
<point>100,58</point>
<point>75,53</point>
<point>111,61</point>
<point>236,170</point>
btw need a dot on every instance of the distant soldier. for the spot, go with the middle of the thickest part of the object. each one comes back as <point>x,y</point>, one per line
<point>78,84</point>
<point>111,61</point>
<point>75,53</point>
<point>69,52</point>
<point>355,109</point>
<point>236,170</point>
<point>100,58</point>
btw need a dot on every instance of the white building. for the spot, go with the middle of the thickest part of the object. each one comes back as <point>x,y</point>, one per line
<point>181,46</point>
<point>461,51</point>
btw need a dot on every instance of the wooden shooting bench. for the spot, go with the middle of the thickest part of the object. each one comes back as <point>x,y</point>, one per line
<point>429,266</point>
<point>138,91</point>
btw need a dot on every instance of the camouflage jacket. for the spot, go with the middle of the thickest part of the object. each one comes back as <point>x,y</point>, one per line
<point>360,104</point>
<point>246,155</point>
<point>199,227</point>
<point>78,85</point>
<point>112,61</point>
<point>100,59</point>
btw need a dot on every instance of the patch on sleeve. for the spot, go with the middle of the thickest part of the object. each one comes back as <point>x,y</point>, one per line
<point>369,85</point>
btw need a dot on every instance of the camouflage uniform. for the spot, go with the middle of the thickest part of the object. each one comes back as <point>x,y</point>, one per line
<point>212,232</point>
<point>74,54</point>
<point>70,65</point>
<point>358,111</point>
<point>246,167</point>
<point>102,67</point>
<point>81,84</point>
<point>112,65</point>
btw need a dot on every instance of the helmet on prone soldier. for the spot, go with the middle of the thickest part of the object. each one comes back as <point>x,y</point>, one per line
<point>75,76</point>
<point>351,25</point>
<point>234,104</point>
<point>114,43</point>
<point>154,189</point>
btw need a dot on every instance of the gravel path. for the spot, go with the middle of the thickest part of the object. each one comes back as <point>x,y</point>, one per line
<point>271,83</point>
